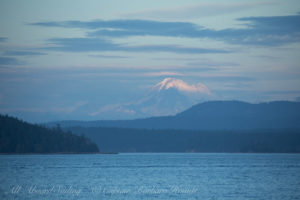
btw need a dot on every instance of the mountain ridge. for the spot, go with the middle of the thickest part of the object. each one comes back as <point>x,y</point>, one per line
<point>213,115</point>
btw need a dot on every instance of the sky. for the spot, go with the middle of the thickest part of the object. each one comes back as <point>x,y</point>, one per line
<point>58,57</point>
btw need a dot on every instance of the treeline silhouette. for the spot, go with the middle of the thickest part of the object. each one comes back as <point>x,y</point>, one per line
<point>17,136</point>
<point>145,140</point>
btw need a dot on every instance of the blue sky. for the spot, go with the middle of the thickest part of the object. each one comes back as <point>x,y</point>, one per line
<point>58,56</point>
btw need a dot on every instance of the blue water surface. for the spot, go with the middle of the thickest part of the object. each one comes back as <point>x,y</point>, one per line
<point>144,176</point>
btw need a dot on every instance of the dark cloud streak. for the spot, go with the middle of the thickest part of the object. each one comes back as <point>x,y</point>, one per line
<point>100,45</point>
<point>8,61</point>
<point>23,53</point>
<point>3,39</point>
<point>263,31</point>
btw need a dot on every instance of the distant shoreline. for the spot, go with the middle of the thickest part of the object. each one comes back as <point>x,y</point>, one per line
<point>60,153</point>
<point>114,153</point>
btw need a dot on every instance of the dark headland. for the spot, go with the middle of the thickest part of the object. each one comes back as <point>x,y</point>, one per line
<point>19,137</point>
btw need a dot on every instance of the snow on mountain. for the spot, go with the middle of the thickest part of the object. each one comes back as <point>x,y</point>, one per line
<point>182,86</point>
<point>168,97</point>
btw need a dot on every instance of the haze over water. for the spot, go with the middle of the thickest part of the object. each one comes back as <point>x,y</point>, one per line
<point>99,63</point>
<point>150,176</point>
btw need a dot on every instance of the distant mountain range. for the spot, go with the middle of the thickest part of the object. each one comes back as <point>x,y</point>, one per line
<point>213,115</point>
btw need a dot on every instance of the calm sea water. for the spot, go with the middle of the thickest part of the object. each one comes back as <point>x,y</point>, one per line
<point>150,176</point>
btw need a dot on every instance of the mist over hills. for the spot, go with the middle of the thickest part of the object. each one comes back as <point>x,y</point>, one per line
<point>213,115</point>
<point>214,126</point>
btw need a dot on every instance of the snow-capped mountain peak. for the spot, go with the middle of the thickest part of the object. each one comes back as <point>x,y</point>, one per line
<point>168,97</point>
<point>182,86</point>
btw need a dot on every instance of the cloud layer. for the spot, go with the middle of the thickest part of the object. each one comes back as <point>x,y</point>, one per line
<point>263,31</point>
<point>202,9</point>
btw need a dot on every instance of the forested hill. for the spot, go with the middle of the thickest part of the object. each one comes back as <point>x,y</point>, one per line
<point>145,140</point>
<point>20,137</point>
